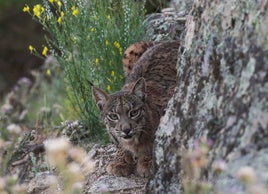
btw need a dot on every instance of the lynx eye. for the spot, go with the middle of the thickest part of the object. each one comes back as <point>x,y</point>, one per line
<point>113,116</point>
<point>134,113</point>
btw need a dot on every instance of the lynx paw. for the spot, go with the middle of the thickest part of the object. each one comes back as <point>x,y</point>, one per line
<point>120,169</point>
<point>144,166</point>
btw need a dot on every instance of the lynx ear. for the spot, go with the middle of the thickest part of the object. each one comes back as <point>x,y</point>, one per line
<point>100,97</point>
<point>139,88</point>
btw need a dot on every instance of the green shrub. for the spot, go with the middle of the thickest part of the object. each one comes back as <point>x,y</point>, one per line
<point>88,38</point>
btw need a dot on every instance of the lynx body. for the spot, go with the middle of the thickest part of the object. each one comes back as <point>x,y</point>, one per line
<point>132,114</point>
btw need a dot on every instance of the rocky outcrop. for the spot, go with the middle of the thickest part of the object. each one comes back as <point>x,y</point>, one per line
<point>214,136</point>
<point>100,182</point>
<point>168,25</point>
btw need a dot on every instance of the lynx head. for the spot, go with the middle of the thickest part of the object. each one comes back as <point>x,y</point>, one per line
<point>124,112</point>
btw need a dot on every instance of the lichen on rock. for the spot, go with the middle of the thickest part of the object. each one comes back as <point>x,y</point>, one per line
<point>221,97</point>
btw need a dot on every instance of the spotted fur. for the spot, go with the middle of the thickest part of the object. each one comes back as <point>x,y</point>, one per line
<point>133,53</point>
<point>132,115</point>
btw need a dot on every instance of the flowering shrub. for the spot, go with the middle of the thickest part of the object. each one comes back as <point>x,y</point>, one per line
<point>88,38</point>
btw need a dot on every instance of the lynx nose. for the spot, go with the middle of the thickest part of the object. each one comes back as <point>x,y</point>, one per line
<point>127,131</point>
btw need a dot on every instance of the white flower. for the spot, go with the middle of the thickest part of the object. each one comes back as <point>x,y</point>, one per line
<point>56,150</point>
<point>246,174</point>
<point>14,129</point>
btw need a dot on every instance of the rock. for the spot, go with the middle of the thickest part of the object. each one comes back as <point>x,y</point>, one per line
<point>43,183</point>
<point>229,179</point>
<point>113,184</point>
<point>219,111</point>
<point>100,181</point>
<point>164,26</point>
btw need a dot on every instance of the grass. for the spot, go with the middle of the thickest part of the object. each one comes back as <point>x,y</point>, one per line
<point>88,39</point>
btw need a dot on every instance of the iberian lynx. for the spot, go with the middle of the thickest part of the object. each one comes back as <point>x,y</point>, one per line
<point>132,114</point>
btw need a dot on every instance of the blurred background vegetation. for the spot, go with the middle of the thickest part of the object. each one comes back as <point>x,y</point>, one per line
<point>85,43</point>
<point>29,95</point>
<point>17,30</point>
<point>44,90</point>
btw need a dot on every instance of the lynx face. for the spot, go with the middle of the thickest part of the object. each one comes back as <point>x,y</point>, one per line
<point>124,117</point>
<point>124,113</point>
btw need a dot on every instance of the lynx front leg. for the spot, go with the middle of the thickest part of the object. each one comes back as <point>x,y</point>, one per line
<point>144,166</point>
<point>122,165</point>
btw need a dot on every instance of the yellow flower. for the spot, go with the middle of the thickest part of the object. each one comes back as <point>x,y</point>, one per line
<point>75,10</point>
<point>47,17</point>
<point>59,3</point>
<point>59,20</point>
<point>38,10</point>
<point>74,39</point>
<point>31,48</point>
<point>97,60</point>
<point>120,51</point>
<point>112,73</point>
<point>108,88</point>
<point>116,44</point>
<point>108,17</point>
<point>48,72</point>
<point>44,52</point>
<point>106,42</point>
<point>51,1</point>
<point>26,9</point>
<point>92,29</point>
